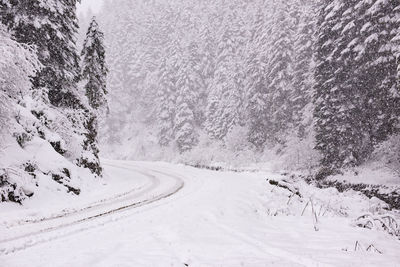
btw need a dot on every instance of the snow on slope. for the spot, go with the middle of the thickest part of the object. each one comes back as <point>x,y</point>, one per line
<point>220,219</point>
<point>50,203</point>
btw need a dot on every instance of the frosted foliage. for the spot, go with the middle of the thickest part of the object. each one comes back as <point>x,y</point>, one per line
<point>17,63</point>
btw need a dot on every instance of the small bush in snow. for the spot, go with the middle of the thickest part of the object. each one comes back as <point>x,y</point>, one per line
<point>386,223</point>
<point>10,191</point>
<point>22,138</point>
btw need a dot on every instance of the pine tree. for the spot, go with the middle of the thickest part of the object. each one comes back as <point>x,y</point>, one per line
<point>225,102</point>
<point>166,108</point>
<point>280,74</point>
<point>167,93</point>
<point>192,68</point>
<point>333,107</point>
<point>207,53</point>
<point>94,70</point>
<point>378,24</point>
<point>256,88</point>
<point>357,98</point>
<point>257,105</point>
<point>51,27</point>
<point>186,101</point>
<point>303,62</point>
<point>325,103</point>
<point>352,141</point>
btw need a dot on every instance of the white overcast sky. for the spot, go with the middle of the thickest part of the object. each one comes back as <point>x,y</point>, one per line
<point>85,5</point>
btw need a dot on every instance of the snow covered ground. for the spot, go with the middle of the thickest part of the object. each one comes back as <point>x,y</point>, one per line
<point>160,214</point>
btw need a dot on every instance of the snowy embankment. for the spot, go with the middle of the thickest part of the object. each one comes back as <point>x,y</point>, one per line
<point>159,214</point>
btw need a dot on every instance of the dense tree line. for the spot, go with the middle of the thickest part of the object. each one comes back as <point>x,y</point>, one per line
<point>211,66</point>
<point>321,71</point>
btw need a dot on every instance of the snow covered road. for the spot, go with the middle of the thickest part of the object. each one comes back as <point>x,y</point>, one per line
<point>180,216</point>
<point>21,234</point>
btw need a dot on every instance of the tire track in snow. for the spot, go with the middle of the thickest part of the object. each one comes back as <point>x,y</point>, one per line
<point>67,213</point>
<point>29,242</point>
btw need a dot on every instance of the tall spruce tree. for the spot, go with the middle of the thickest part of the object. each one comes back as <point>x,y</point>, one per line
<point>280,73</point>
<point>166,107</point>
<point>325,97</point>
<point>207,53</point>
<point>357,98</point>
<point>352,142</point>
<point>94,69</point>
<point>335,108</point>
<point>186,103</point>
<point>225,101</point>
<point>192,67</point>
<point>257,102</point>
<point>378,25</point>
<point>50,26</point>
<point>303,66</point>
<point>256,68</point>
<point>168,78</point>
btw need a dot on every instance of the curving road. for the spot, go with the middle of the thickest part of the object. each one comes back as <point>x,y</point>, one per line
<point>28,233</point>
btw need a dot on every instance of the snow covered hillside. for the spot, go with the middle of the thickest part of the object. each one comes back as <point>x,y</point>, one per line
<point>159,214</point>
<point>48,130</point>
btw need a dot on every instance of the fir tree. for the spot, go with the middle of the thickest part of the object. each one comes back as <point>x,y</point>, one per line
<point>225,101</point>
<point>50,26</point>
<point>357,98</point>
<point>350,130</point>
<point>376,50</point>
<point>186,101</point>
<point>207,53</point>
<point>257,104</point>
<point>192,68</point>
<point>303,65</point>
<point>168,77</point>
<point>94,70</point>
<point>166,108</point>
<point>280,74</point>
<point>326,94</point>
<point>256,88</point>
